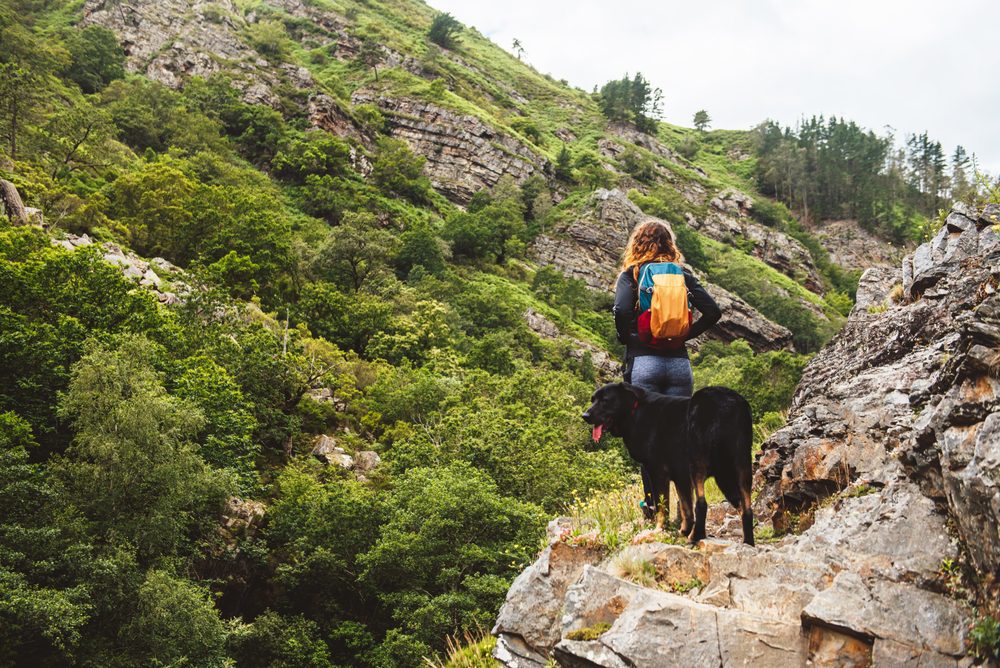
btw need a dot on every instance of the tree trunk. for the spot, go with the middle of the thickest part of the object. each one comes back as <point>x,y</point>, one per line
<point>12,203</point>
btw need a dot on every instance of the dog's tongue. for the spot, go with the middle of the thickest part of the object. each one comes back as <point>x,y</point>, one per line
<point>597,432</point>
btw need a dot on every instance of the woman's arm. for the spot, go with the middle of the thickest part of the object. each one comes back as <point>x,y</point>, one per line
<point>709,310</point>
<point>624,308</point>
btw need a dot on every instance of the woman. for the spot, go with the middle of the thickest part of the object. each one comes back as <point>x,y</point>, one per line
<point>664,371</point>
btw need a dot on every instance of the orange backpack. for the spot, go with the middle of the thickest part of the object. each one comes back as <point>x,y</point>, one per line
<point>664,313</point>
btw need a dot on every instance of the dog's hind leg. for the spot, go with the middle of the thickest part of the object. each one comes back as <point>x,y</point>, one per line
<point>701,505</point>
<point>746,511</point>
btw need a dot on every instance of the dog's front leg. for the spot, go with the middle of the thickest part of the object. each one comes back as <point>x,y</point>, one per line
<point>684,505</point>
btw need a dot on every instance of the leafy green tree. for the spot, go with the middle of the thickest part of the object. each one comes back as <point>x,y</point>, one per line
<point>564,165</point>
<point>227,438</point>
<point>97,58</point>
<point>51,301</point>
<point>702,120</point>
<point>517,48</point>
<point>132,469</point>
<point>421,246</point>
<point>689,147</point>
<point>150,115</point>
<point>16,94</point>
<point>445,30</point>
<point>320,530</point>
<point>272,640</point>
<point>317,152</point>
<point>40,621</point>
<point>269,37</point>
<point>346,320</point>
<point>441,563</point>
<point>354,250</point>
<point>175,624</point>
<point>631,100</point>
<point>494,353</point>
<point>152,203</point>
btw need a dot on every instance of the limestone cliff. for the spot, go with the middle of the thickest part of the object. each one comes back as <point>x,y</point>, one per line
<point>885,476</point>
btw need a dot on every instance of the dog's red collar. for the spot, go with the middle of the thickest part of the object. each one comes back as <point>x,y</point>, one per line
<point>635,405</point>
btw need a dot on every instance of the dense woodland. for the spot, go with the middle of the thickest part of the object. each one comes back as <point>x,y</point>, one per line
<point>833,168</point>
<point>129,428</point>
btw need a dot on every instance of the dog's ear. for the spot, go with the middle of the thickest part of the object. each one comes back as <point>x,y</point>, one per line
<point>635,391</point>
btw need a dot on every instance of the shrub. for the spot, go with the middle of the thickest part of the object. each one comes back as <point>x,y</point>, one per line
<point>444,30</point>
<point>689,147</point>
<point>396,169</point>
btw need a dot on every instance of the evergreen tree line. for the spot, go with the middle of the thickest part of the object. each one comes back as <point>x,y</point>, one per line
<point>833,168</point>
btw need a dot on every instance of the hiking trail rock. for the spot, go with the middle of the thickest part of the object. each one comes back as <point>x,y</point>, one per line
<point>888,467</point>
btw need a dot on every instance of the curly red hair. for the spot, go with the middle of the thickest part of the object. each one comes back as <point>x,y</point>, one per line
<point>651,241</point>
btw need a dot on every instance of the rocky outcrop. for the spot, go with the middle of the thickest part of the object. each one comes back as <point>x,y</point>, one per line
<point>852,247</point>
<point>607,367</point>
<point>589,247</point>
<point>170,40</point>
<point>889,467</point>
<point>464,154</point>
<point>159,276</point>
<point>728,220</point>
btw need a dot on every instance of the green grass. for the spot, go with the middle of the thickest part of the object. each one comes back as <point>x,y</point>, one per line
<point>590,633</point>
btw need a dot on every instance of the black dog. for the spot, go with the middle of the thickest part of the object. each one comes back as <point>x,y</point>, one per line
<point>684,441</point>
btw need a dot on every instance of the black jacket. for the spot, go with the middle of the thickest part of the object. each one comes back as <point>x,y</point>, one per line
<point>626,292</point>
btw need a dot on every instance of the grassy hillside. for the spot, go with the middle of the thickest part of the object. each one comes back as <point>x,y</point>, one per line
<point>156,440</point>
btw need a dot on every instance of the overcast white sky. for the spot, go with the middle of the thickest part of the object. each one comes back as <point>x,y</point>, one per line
<point>913,65</point>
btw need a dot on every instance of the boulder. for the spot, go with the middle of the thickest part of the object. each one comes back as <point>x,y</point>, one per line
<point>876,610</point>
<point>326,449</point>
<point>654,628</point>
<point>529,624</point>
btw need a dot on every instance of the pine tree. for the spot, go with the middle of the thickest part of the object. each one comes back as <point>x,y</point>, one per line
<point>370,54</point>
<point>444,30</point>
<point>702,120</point>
<point>564,166</point>
<point>517,48</point>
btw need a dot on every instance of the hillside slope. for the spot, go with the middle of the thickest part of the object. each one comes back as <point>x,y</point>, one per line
<point>475,113</point>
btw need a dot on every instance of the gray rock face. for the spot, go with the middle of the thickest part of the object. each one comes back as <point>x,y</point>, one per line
<point>852,247</point>
<point>890,460</point>
<point>162,41</point>
<point>464,154</point>
<point>590,248</point>
<point>656,628</point>
<point>728,220</point>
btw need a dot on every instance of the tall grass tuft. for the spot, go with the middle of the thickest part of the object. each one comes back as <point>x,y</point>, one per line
<point>613,515</point>
<point>472,649</point>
